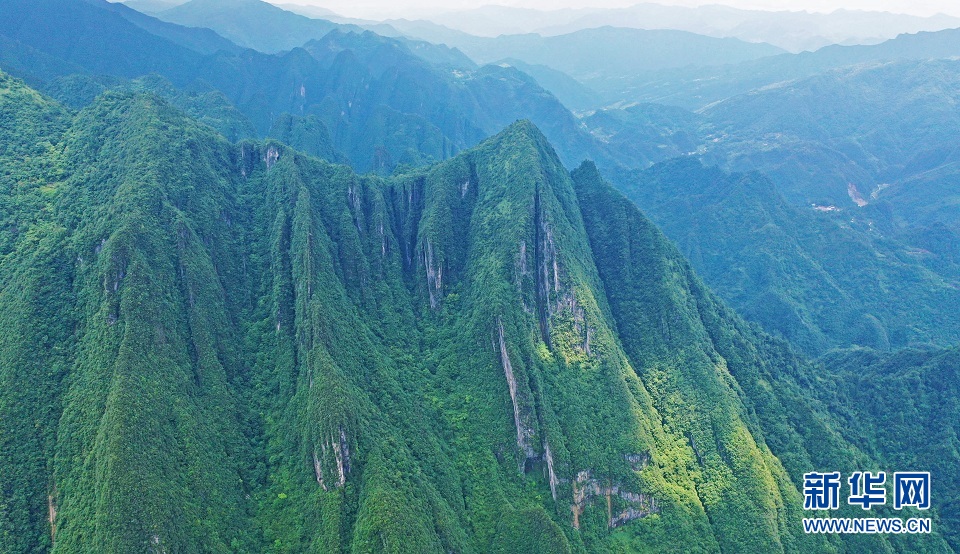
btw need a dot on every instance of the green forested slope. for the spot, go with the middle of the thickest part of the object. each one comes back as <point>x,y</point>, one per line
<point>819,278</point>
<point>903,408</point>
<point>239,348</point>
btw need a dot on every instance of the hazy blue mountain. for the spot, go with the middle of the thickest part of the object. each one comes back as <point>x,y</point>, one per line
<point>792,30</point>
<point>875,140</point>
<point>250,23</point>
<point>430,31</point>
<point>608,55</point>
<point>200,40</point>
<point>152,6</point>
<point>316,12</point>
<point>574,95</point>
<point>644,134</point>
<point>374,80</point>
<point>383,105</point>
<point>694,88</point>
<point>264,26</point>
<point>91,35</point>
<point>438,54</point>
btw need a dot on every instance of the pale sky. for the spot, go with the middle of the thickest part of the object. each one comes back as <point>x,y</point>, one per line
<point>383,9</point>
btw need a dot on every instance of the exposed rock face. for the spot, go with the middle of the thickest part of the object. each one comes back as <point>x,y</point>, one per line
<point>855,195</point>
<point>551,474</point>
<point>271,156</point>
<point>525,432</point>
<point>52,516</point>
<point>341,453</point>
<point>383,239</point>
<point>547,267</point>
<point>434,275</point>
<point>630,505</point>
<point>353,200</point>
<point>339,447</point>
<point>637,461</point>
<point>318,469</point>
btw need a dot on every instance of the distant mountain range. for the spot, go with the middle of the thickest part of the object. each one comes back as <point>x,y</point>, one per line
<point>361,86</point>
<point>794,31</point>
<point>614,52</point>
<point>694,88</point>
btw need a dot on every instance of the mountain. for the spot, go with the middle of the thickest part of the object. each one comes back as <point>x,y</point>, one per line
<point>873,140</point>
<point>791,30</point>
<point>198,39</point>
<point>245,349</point>
<point>152,6</point>
<point>866,388</point>
<point>807,274</point>
<point>643,134</point>
<point>376,88</point>
<point>568,90</point>
<point>429,31</point>
<point>861,130</point>
<point>264,26</point>
<point>383,105</point>
<point>93,36</point>
<point>439,55</point>
<point>316,12</point>
<point>250,23</point>
<point>696,88</point>
<point>606,56</point>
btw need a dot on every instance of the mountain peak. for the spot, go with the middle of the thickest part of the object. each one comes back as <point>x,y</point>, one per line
<point>522,133</point>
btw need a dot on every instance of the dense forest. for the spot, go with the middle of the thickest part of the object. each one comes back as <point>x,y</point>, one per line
<point>361,294</point>
<point>243,347</point>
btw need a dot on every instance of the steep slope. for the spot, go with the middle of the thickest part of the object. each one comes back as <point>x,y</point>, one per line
<point>34,354</point>
<point>774,386</point>
<point>149,453</point>
<point>251,349</point>
<point>903,407</point>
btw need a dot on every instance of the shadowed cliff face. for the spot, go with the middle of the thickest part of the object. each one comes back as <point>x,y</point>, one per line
<point>245,349</point>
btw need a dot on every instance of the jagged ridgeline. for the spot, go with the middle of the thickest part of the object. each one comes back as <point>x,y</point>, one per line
<point>210,347</point>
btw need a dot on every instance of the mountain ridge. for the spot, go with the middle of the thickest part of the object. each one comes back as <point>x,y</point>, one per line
<point>448,339</point>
